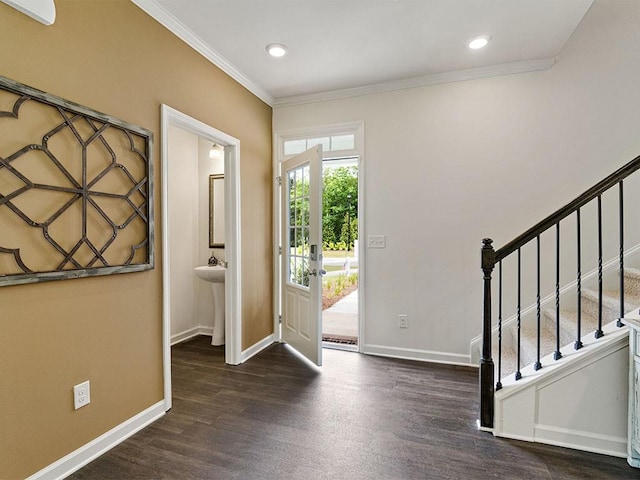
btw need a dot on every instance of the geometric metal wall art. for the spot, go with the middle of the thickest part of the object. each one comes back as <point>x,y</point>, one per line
<point>76,190</point>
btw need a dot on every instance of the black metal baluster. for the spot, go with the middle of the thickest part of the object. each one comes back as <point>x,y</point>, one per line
<point>499,383</point>
<point>538,365</point>
<point>557,355</point>
<point>518,374</point>
<point>578,344</point>
<point>599,333</point>
<point>621,201</point>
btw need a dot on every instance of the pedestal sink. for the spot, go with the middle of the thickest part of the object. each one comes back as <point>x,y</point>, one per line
<point>215,275</point>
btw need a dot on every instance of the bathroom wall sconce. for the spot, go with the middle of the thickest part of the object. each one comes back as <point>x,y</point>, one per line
<point>44,11</point>
<point>216,151</point>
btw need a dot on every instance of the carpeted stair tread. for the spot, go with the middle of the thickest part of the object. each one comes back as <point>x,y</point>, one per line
<point>610,303</point>
<point>632,273</point>
<point>508,361</point>
<point>528,343</point>
<point>568,324</point>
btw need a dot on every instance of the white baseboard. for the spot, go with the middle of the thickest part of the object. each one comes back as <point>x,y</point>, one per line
<point>92,450</point>
<point>245,355</point>
<point>579,440</point>
<point>513,436</point>
<point>419,355</point>
<point>192,332</point>
<point>257,348</point>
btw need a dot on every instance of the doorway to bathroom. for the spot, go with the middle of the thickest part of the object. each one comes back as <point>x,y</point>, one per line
<point>189,172</point>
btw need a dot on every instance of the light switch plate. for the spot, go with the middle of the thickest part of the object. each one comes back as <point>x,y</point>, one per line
<point>376,241</point>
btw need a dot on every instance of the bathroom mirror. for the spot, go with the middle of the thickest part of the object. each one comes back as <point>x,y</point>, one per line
<point>216,211</point>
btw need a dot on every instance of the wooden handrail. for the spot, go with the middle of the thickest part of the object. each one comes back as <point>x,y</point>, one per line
<point>598,189</point>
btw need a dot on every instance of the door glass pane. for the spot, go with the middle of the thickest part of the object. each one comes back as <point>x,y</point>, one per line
<point>298,226</point>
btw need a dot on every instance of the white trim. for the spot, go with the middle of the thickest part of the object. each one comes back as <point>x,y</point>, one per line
<point>92,450</point>
<point>357,128</point>
<point>175,26</point>
<point>580,440</point>
<point>485,429</point>
<point>192,332</point>
<point>428,80</point>
<point>345,347</point>
<point>575,439</point>
<point>257,347</point>
<point>43,11</point>
<point>522,438</point>
<point>418,355</point>
<point>166,269</point>
<point>233,284</point>
<point>277,246</point>
<point>526,395</point>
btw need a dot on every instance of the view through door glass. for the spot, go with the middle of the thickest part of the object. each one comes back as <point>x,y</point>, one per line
<point>298,181</point>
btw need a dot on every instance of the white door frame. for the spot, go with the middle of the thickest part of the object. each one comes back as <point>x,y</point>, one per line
<point>278,156</point>
<point>233,292</point>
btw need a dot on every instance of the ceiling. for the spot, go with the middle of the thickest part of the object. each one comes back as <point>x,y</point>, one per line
<point>339,48</point>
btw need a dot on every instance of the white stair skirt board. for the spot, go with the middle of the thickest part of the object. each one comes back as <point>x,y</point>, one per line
<point>579,402</point>
<point>192,332</point>
<point>92,450</point>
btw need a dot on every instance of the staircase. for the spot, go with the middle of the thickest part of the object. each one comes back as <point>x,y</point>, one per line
<point>568,325</point>
<point>585,384</point>
<point>557,371</point>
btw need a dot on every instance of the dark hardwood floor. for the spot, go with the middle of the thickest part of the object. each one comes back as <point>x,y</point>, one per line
<point>357,417</point>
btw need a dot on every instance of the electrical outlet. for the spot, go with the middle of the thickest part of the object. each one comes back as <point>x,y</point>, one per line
<point>376,241</point>
<point>81,395</point>
<point>403,321</point>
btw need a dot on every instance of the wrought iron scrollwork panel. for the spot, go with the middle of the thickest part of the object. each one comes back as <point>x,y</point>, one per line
<point>76,190</point>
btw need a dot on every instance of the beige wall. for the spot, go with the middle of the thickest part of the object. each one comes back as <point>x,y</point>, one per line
<point>112,57</point>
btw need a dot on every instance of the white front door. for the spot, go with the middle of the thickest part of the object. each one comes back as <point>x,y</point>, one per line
<point>301,207</point>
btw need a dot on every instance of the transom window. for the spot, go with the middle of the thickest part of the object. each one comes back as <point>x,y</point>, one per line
<point>330,143</point>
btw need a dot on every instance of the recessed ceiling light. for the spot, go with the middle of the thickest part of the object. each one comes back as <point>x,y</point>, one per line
<point>276,49</point>
<point>479,42</point>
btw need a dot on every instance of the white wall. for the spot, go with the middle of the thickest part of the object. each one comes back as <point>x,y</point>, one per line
<point>183,221</point>
<point>189,169</point>
<point>206,166</point>
<point>448,165</point>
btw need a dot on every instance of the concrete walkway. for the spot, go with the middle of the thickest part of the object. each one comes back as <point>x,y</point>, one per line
<point>341,319</point>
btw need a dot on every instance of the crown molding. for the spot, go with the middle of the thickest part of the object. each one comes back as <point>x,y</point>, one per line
<point>44,11</point>
<point>434,79</point>
<point>162,16</point>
